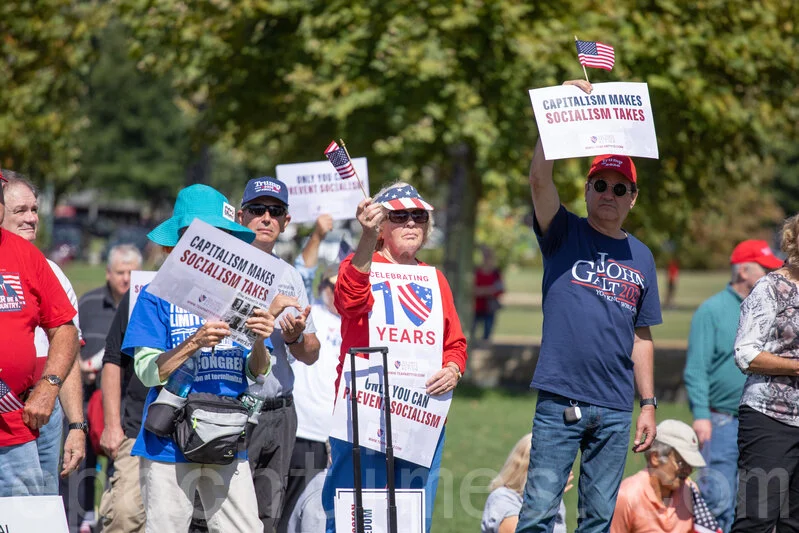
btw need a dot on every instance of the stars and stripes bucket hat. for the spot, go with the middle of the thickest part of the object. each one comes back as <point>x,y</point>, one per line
<point>402,197</point>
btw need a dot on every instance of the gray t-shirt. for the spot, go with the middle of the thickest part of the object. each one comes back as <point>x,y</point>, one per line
<point>503,503</point>
<point>280,381</point>
<point>308,515</point>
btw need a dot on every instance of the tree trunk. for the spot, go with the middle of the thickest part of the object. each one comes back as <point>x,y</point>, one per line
<point>199,168</point>
<point>464,191</point>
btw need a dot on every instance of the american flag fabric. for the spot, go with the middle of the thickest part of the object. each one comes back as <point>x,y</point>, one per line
<point>416,301</point>
<point>704,521</point>
<point>8,400</point>
<point>11,286</point>
<point>595,55</point>
<point>405,197</point>
<point>338,156</point>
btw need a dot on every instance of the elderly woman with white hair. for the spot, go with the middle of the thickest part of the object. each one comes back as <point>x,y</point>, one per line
<point>396,224</point>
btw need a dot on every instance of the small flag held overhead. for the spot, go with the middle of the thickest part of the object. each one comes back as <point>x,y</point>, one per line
<point>340,159</point>
<point>595,55</point>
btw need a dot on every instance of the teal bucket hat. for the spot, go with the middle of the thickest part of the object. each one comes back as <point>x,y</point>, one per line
<point>205,203</point>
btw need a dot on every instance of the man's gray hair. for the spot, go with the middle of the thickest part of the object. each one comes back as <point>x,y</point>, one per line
<point>124,253</point>
<point>16,178</point>
<point>660,450</point>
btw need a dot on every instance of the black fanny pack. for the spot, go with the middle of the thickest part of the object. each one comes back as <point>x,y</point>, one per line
<point>210,428</point>
<point>207,428</point>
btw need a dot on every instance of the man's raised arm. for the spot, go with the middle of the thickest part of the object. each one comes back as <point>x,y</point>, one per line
<point>546,201</point>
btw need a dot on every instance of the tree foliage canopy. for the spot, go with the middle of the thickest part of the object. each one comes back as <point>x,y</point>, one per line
<point>411,85</point>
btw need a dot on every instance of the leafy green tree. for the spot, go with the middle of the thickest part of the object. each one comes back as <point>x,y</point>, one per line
<point>436,92</point>
<point>46,49</point>
<point>136,142</point>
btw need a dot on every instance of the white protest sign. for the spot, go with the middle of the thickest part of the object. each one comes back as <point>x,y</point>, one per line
<point>219,277</point>
<point>410,510</point>
<point>616,118</point>
<point>138,280</point>
<point>408,318</point>
<point>33,514</point>
<point>316,188</point>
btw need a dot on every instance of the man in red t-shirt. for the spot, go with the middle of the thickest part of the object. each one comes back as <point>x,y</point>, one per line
<point>30,296</point>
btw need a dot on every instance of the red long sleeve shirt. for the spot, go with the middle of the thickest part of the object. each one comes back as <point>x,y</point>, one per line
<point>354,301</point>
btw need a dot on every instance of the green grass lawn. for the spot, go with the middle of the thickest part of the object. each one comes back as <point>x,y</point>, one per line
<point>482,427</point>
<point>525,318</point>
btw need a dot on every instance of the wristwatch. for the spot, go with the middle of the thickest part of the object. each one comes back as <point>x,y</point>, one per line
<point>83,426</point>
<point>649,401</point>
<point>52,379</point>
<point>297,340</point>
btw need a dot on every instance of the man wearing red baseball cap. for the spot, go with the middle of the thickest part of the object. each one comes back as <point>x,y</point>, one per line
<point>713,381</point>
<point>600,299</point>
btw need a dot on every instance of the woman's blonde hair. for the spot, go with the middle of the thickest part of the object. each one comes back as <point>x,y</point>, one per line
<point>514,472</point>
<point>790,232</point>
<point>397,184</point>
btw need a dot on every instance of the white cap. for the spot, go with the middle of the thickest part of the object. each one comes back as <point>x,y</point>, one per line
<point>682,438</point>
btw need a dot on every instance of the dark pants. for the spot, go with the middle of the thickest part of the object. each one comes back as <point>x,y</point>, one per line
<point>308,459</point>
<point>487,321</point>
<point>768,473</point>
<point>269,447</point>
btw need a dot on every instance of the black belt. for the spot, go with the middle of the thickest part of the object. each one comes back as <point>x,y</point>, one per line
<point>271,404</point>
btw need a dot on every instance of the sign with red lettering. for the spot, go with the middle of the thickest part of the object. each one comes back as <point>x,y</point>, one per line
<point>616,118</point>
<point>216,276</point>
<point>316,188</point>
<point>138,280</point>
<point>408,318</point>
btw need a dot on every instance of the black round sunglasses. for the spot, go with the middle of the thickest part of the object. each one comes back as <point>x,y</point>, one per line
<point>258,210</point>
<point>419,216</point>
<point>620,189</point>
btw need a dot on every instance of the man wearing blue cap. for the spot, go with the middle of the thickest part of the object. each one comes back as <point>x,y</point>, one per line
<point>264,210</point>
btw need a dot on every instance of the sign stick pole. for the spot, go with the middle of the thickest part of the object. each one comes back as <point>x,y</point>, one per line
<point>353,168</point>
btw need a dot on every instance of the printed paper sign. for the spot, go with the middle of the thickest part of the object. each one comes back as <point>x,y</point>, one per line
<point>410,510</point>
<point>408,318</point>
<point>616,118</point>
<point>32,514</point>
<point>316,188</point>
<point>138,280</point>
<point>219,277</point>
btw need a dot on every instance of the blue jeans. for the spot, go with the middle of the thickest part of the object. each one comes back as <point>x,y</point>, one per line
<point>718,482</point>
<point>49,446</point>
<point>603,435</point>
<point>407,475</point>
<point>20,473</point>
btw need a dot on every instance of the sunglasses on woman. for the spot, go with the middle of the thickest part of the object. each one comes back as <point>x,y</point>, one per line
<point>258,210</point>
<point>419,216</point>
<point>620,189</point>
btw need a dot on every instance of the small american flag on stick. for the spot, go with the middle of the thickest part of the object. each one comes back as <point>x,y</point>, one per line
<point>595,55</point>
<point>340,159</point>
<point>704,521</point>
<point>8,400</point>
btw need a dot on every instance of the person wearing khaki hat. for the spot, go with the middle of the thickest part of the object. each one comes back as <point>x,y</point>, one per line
<point>714,383</point>
<point>659,499</point>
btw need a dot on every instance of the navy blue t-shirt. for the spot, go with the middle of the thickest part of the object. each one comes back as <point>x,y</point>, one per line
<point>596,291</point>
